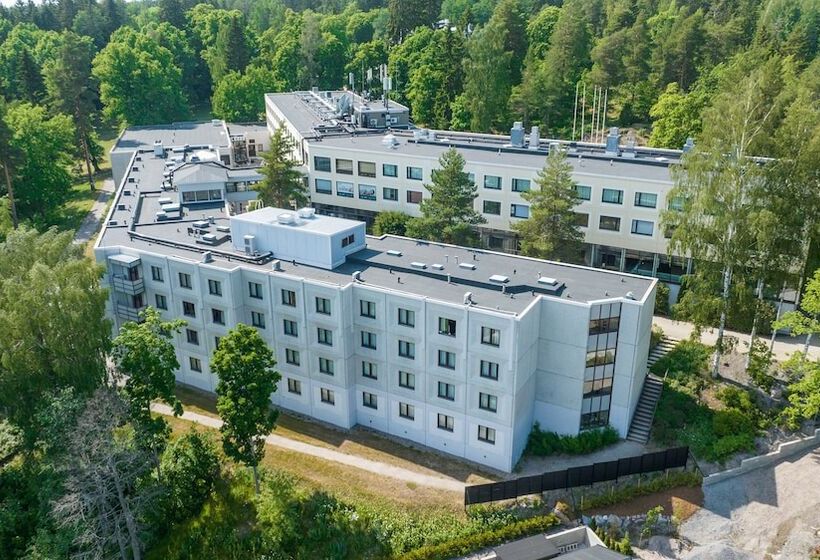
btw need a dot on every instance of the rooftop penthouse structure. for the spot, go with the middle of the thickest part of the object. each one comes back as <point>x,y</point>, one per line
<point>458,349</point>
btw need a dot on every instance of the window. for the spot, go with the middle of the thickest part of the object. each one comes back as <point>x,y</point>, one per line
<point>471,178</point>
<point>368,340</point>
<point>188,309</point>
<point>415,173</point>
<point>367,308</point>
<point>581,219</point>
<point>292,357</point>
<point>133,274</point>
<point>345,189</point>
<point>610,223</point>
<point>322,306</point>
<point>489,370</point>
<point>156,274</point>
<point>642,227</point>
<point>487,402</point>
<point>407,350</point>
<point>407,318</point>
<point>604,325</point>
<point>445,422</point>
<point>390,170</point>
<point>215,287</point>
<point>370,400</point>
<point>367,192</point>
<point>407,380</point>
<point>600,357</point>
<point>367,169</point>
<point>612,196</point>
<point>255,290</point>
<point>348,240</point>
<point>487,435</point>
<point>584,192</point>
<point>446,391</point>
<point>414,197</point>
<point>407,411</point>
<point>390,194</point>
<point>492,207</point>
<point>294,386</point>
<point>327,396</point>
<point>217,340</point>
<point>491,337</point>
<point>321,163</point>
<point>192,336</point>
<point>324,186</point>
<point>446,326</point>
<point>344,166</point>
<point>290,327</point>
<point>162,302</point>
<point>326,366</point>
<point>520,185</point>
<point>217,316</point>
<point>519,211</point>
<point>646,200</point>
<point>492,182</point>
<point>289,298</point>
<point>324,336</point>
<point>369,370</point>
<point>184,280</point>
<point>446,359</point>
<point>676,203</point>
<point>194,364</point>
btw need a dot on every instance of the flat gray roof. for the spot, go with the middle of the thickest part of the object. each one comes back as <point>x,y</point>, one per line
<point>318,223</point>
<point>244,128</point>
<point>175,134</point>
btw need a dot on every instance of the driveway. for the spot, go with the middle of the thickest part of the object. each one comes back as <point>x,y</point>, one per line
<point>771,513</point>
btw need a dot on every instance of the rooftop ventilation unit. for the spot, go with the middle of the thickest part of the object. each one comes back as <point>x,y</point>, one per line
<point>517,135</point>
<point>438,266</point>
<point>535,138</point>
<point>159,149</point>
<point>394,253</point>
<point>276,265</point>
<point>357,276</point>
<point>416,264</point>
<point>420,134</point>
<point>690,143</point>
<point>499,278</point>
<point>307,213</point>
<point>207,257</point>
<point>286,218</point>
<point>547,280</point>
<point>630,295</point>
<point>468,266</point>
<point>250,244</point>
<point>613,141</point>
<point>468,298</point>
<point>216,122</point>
<point>390,141</point>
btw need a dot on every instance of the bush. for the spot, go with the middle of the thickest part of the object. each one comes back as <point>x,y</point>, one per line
<point>189,467</point>
<point>689,358</point>
<point>391,223</point>
<point>543,444</point>
<point>731,421</point>
<point>760,361</point>
<point>662,299</point>
<point>469,544</point>
<point>655,337</point>
<point>626,493</point>
<point>728,445</point>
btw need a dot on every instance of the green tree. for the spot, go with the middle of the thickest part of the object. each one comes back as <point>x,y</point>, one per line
<point>139,81</point>
<point>448,215</point>
<point>144,354</point>
<point>488,78</point>
<point>282,184</point>
<point>806,319</point>
<point>46,146</point>
<point>436,79</point>
<point>804,393</point>
<point>173,12</point>
<point>551,231</point>
<point>247,378</point>
<point>676,117</point>
<point>9,158</point>
<point>241,97</point>
<point>231,50</point>
<point>407,15</point>
<point>52,316</point>
<point>391,222</point>
<point>72,90</point>
<point>190,467</point>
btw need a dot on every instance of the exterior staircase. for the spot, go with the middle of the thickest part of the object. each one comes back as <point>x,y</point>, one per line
<point>641,425</point>
<point>662,349</point>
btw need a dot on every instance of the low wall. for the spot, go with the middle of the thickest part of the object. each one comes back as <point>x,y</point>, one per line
<point>783,450</point>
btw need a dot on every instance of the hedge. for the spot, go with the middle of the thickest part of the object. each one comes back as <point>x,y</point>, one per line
<point>471,543</point>
<point>543,443</point>
<point>657,484</point>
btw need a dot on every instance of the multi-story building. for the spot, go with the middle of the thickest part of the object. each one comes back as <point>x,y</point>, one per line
<point>355,170</point>
<point>458,349</point>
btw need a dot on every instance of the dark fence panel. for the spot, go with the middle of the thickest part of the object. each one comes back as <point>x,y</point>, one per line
<point>577,476</point>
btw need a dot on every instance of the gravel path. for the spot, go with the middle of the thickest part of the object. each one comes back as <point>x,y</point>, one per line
<point>769,513</point>
<point>382,469</point>
<point>91,223</point>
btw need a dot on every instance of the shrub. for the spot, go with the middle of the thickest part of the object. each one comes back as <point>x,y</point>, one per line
<point>391,222</point>
<point>728,445</point>
<point>626,493</point>
<point>655,337</point>
<point>688,358</point>
<point>189,467</point>
<point>469,544</point>
<point>542,443</point>
<point>662,299</point>
<point>732,421</point>
<point>760,361</point>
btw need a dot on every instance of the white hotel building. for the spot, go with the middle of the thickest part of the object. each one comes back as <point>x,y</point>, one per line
<point>457,349</point>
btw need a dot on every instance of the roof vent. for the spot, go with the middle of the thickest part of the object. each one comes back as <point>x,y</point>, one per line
<point>416,264</point>
<point>547,280</point>
<point>499,278</point>
<point>394,253</point>
<point>112,222</point>
<point>216,122</point>
<point>307,213</point>
<point>286,218</point>
<point>159,149</point>
<point>207,257</point>
<point>468,266</point>
<point>517,135</point>
<point>420,134</point>
<point>468,298</point>
<point>690,143</point>
<point>438,266</point>
<point>630,295</point>
<point>357,276</point>
<point>613,141</point>
<point>121,207</point>
<point>390,140</point>
<point>535,138</point>
<point>276,265</point>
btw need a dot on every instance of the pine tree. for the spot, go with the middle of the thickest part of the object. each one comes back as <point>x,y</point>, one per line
<point>282,185</point>
<point>551,231</point>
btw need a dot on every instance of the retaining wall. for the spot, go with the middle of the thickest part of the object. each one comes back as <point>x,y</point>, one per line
<point>783,450</point>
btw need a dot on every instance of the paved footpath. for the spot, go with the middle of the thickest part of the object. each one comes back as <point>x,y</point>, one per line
<point>91,223</point>
<point>382,469</point>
